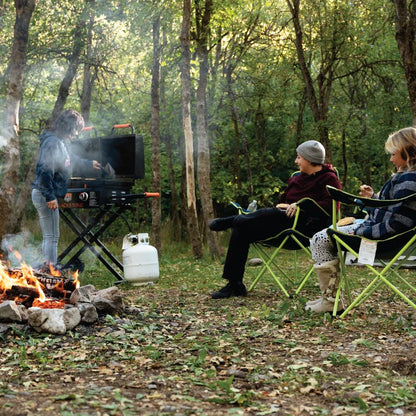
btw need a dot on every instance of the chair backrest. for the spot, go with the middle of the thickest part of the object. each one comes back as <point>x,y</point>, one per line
<point>386,245</point>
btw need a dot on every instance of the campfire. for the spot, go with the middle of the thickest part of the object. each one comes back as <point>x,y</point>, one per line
<point>43,289</point>
<point>49,301</point>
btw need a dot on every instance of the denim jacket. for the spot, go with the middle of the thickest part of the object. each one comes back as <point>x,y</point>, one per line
<point>55,165</point>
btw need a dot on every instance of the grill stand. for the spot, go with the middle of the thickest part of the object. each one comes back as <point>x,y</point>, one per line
<point>90,237</point>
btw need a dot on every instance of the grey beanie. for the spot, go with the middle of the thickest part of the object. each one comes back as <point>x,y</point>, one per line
<point>312,151</point>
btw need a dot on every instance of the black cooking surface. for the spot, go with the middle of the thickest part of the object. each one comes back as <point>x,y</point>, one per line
<point>123,155</point>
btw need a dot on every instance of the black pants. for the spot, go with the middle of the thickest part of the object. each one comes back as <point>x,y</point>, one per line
<point>249,228</point>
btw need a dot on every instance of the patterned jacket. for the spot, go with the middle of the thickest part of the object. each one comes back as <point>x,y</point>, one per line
<point>394,219</point>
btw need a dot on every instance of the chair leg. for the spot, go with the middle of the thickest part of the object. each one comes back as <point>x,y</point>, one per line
<point>373,286</point>
<point>268,262</point>
<point>304,280</point>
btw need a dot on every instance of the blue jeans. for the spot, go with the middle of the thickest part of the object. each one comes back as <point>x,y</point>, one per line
<point>49,224</point>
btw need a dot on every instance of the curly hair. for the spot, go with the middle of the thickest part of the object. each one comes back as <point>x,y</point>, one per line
<point>404,142</point>
<point>69,123</point>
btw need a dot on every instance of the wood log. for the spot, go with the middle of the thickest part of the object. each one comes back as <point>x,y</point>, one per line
<point>22,291</point>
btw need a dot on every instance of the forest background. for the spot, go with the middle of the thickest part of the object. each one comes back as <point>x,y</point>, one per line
<point>222,92</point>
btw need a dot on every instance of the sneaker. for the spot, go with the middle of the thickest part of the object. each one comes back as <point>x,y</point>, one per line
<point>230,289</point>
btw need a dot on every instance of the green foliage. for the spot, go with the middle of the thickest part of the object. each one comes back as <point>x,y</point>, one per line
<point>257,110</point>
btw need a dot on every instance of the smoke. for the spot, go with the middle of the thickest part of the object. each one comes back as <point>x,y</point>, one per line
<point>3,141</point>
<point>20,248</point>
<point>3,137</point>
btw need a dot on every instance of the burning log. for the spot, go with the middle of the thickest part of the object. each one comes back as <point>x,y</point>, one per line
<point>24,285</point>
<point>21,291</point>
<point>24,295</point>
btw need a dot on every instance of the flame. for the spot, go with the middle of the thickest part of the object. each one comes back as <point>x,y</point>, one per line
<point>53,271</point>
<point>17,255</point>
<point>26,279</point>
<point>24,282</point>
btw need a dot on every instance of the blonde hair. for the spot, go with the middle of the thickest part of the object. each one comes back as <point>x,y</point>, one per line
<point>403,142</point>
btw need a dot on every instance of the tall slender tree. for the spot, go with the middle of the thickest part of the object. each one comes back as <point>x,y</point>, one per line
<point>203,18</point>
<point>155,133</point>
<point>192,215</point>
<point>78,46</point>
<point>405,37</point>
<point>319,91</point>
<point>9,190</point>
<point>89,71</point>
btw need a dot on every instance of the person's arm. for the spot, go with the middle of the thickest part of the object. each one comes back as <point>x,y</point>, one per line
<point>82,166</point>
<point>395,219</point>
<point>46,166</point>
<point>325,202</point>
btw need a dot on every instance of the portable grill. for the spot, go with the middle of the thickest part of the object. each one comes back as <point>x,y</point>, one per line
<point>108,191</point>
<point>122,160</point>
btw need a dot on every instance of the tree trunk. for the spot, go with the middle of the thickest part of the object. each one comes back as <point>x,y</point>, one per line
<point>167,138</point>
<point>182,192</point>
<point>236,166</point>
<point>204,160</point>
<point>8,189</point>
<point>318,101</point>
<point>73,64</point>
<point>194,233</point>
<point>89,76</point>
<point>405,37</point>
<point>155,134</point>
<point>174,203</point>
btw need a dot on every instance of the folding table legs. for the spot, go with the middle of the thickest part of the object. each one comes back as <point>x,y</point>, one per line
<point>89,237</point>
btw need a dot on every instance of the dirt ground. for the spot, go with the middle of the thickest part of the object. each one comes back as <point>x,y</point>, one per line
<point>178,352</point>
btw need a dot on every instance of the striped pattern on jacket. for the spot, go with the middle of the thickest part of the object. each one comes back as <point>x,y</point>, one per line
<point>395,219</point>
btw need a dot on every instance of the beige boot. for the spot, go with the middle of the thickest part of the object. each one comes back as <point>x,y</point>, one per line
<point>328,276</point>
<point>312,302</point>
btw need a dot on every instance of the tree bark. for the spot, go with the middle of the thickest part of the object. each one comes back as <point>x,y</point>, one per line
<point>89,76</point>
<point>405,37</point>
<point>318,99</point>
<point>8,189</point>
<point>155,134</point>
<point>174,202</point>
<point>73,64</point>
<point>167,138</point>
<point>204,162</point>
<point>192,217</point>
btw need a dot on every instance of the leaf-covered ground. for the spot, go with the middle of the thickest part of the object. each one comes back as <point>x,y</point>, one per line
<point>175,351</point>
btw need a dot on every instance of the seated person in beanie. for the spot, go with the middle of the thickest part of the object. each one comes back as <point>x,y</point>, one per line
<point>268,222</point>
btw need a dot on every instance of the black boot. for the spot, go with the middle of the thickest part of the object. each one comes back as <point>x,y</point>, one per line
<point>230,289</point>
<point>221,224</point>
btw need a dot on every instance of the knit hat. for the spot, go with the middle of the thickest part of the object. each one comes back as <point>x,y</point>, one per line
<point>312,151</point>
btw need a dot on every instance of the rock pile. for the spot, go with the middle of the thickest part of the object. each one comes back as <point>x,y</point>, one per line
<point>84,306</point>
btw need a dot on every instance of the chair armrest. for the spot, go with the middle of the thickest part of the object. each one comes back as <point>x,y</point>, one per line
<point>310,206</point>
<point>361,202</point>
<point>240,209</point>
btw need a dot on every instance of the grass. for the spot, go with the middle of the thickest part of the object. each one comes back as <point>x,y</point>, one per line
<point>177,351</point>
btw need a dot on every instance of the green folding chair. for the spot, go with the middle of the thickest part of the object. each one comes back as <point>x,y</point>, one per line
<point>391,253</point>
<point>289,239</point>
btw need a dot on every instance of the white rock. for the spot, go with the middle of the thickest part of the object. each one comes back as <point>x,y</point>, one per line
<point>9,312</point>
<point>54,321</point>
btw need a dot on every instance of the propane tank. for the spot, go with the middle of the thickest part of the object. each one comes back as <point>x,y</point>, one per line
<point>140,259</point>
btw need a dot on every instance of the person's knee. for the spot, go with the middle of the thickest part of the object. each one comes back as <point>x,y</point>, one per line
<point>239,220</point>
